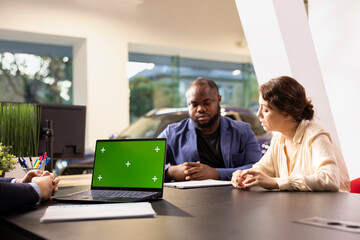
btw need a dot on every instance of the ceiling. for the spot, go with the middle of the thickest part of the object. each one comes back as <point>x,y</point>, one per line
<point>170,11</point>
<point>219,15</point>
<point>215,21</point>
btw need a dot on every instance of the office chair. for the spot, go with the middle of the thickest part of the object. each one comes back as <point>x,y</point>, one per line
<point>355,185</point>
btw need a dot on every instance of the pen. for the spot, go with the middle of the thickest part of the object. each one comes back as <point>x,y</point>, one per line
<point>38,162</point>
<point>24,162</point>
<point>32,165</point>
<point>35,163</point>
<point>47,160</point>
<point>41,162</point>
<point>21,164</point>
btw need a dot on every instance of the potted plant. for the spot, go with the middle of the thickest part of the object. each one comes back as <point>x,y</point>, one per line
<point>7,160</point>
<point>20,128</point>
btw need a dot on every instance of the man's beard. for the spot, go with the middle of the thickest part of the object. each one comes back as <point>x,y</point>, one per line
<point>210,123</point>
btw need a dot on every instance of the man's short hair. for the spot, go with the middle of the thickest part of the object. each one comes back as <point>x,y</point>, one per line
<point>200,81</point>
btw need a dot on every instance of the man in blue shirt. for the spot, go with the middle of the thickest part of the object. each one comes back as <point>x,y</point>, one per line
<point>208,145</point>
<point>36,186</point>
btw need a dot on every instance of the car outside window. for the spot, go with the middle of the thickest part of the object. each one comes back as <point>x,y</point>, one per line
<point>144,127</point>
<point>255,124</point>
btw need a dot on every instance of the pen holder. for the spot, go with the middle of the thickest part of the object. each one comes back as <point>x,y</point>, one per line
<point>32,165</point>
<point>42,168</point>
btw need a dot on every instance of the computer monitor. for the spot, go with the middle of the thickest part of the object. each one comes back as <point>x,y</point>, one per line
<point>62,131</point>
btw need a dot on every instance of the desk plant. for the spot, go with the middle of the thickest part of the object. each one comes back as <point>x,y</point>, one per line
<point>7,160</point>
<point>20,128</point>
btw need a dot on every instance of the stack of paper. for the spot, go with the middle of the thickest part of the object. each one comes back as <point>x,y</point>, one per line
<point>97,211</point>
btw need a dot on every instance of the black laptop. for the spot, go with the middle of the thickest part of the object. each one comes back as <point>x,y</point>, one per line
<point>125,170</point>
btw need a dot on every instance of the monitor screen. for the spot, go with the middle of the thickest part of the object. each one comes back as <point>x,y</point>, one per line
<point>68,130</point>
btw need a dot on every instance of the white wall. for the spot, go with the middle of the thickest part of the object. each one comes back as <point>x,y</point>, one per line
<point>100,84</point>
<point>204,29</point>
<point>336,33</point>
<point>280,43</point>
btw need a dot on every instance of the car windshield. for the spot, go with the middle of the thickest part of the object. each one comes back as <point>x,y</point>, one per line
<point>255,124</point>
<point>144,127</point>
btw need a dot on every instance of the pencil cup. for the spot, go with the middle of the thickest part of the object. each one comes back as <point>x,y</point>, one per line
<point>32,163</point>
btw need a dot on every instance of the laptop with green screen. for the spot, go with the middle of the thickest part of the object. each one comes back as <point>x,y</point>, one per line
<point>125,170</point>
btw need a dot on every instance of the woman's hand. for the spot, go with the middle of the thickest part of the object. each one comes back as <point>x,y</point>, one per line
<point>254,177</point>
<point>237,180</point>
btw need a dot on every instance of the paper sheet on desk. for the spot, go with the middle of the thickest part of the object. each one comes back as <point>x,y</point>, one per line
<point>97,211</point>
<point>197,184</point>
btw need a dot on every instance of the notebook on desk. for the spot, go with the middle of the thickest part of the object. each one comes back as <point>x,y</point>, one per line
<point>125,170</point>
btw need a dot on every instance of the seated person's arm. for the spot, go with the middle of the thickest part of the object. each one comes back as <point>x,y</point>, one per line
<point>15,196</point>
<point>191,171</point>
<point>250,155</point>
<point>199,171</point>
<point>47,184</point>
<point>176,172</point>
<point>262,173</point>
<point>42,180</point>
<point>173,171</point>
<point>324,166</point>
<point>325,170</point>
<point>24,194</point>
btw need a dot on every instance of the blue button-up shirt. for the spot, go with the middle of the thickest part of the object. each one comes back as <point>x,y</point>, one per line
<point>239,146</point>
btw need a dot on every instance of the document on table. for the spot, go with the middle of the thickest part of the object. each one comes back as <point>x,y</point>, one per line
<point>197,184</point>
<point>97,211</point>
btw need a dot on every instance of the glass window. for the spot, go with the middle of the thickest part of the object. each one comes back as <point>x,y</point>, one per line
<point>145,127</point>
<point>158,81</point>
<point>35,73</point>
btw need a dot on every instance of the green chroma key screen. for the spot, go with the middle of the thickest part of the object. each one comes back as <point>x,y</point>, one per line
<point>129,163</point>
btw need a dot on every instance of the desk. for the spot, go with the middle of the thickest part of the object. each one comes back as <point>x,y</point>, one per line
<point>207,213</point>
<point>74,180</point>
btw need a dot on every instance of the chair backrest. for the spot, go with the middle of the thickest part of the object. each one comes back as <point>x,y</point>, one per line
<point>355,185</point>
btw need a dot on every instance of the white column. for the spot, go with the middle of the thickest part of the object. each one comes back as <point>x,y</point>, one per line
<point>335,29</point>
<point>280,43</point>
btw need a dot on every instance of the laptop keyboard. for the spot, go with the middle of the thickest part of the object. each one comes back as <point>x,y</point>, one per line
<point>115,194</point>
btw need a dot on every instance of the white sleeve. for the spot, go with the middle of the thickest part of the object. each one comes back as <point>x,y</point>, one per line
<point>325,170</point>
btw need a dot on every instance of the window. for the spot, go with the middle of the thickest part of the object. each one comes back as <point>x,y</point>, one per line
<point>35,73</point>
<point>161,81</point>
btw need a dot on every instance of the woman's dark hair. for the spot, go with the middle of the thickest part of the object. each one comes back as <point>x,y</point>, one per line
<point>287,95</point>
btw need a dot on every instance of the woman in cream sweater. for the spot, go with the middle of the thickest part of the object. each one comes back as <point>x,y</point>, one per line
<point>302,155</point>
